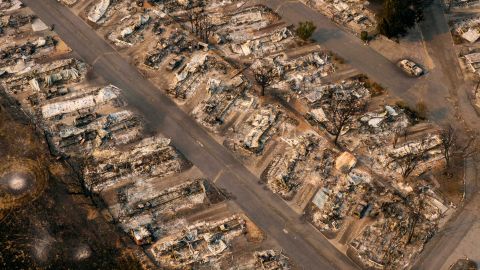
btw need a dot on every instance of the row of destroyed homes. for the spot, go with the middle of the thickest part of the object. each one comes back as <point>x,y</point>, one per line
<point>177,217</point>
<point>315,131</point>
<point>464,22</point>
<point>356,15</point>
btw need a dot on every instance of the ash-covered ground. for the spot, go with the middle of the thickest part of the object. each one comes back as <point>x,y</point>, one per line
<point>45,220</point>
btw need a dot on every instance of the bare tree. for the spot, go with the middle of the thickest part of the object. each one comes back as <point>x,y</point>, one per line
<point>264,76</point>
<point>469,149</point>
<point>399,133</point>
<point>415,203</point>
<point>410,161</point>
<point>452,147</point>
<point>449,139</point>
<point>200,23</point>
<point>206,27</point>
<point>340,109</point>
<point>193,16</point>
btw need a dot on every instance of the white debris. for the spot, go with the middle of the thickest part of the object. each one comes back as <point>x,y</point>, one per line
<point>38,25</point>
<point>34,84</point>
<point>10,5</point>
<point>104,95</point>
<point>472,35</point>
<point>98,10</point>
<point>196,61</point>
<point>318,115</point>
<point>391,111</point>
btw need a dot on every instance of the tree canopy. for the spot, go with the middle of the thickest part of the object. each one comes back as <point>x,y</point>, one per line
<point>397,16</point>
<point>305,29</point>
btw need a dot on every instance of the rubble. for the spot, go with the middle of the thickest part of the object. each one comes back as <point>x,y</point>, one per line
<point>287,171</point>
<point>57,72</point>
<point>465,3</point>
<point>342,194</point>
<point>265,44</point>
<point>103,96</point>
<point>243,24</point>
<point>384,135</point>
<point>318,96</point>
<point>299,74</point>
<point>153,157</point>
<point>271,260</point>
<point>352,13</point>
<point>11,54</point>
<point>177,43</point>
<point>332,207</point>
<point>129,32</point>
<point>251,30</point>
<point>148,212</point>
<point>467,28</point>
<point>91,131</point>
<point>168,202</point>
<point>256,131</point>
<point>10,5</point>
<point>18,20</point>
<point>98,10</point>
<point>199,242</point>
<point>399,228</point>
<point>347,195</point>
<point>473,62</point>
<point>76,119</point>
<point>261,124</point>
<point>221,100</point>
<point>196,72</point>
<point>397,235</point>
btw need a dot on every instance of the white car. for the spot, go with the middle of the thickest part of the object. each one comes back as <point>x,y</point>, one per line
<point>410,67</point>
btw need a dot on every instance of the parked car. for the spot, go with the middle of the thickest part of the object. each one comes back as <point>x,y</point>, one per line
<point>410,67</point>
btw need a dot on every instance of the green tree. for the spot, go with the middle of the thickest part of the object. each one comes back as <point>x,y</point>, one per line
<point>364,36</point>
<point>305,30</point>
<point>397,16</point>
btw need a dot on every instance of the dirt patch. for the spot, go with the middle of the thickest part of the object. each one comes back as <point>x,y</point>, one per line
<point>451,181</point>
<point>61,47</point>
<point>254,233</point>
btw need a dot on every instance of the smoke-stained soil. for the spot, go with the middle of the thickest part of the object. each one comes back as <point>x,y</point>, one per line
<point>45,219</point>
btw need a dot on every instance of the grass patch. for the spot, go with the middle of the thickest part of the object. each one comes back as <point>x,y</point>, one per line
<point>415,114</point>
<point>375,88</point>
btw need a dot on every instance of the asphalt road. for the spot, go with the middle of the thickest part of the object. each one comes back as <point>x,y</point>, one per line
<point>445,242</point>
<point>442,89</point>
<point>432,88</point>
<point>346,45</point>
<point>306,246</point>
<point>447,80</point>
